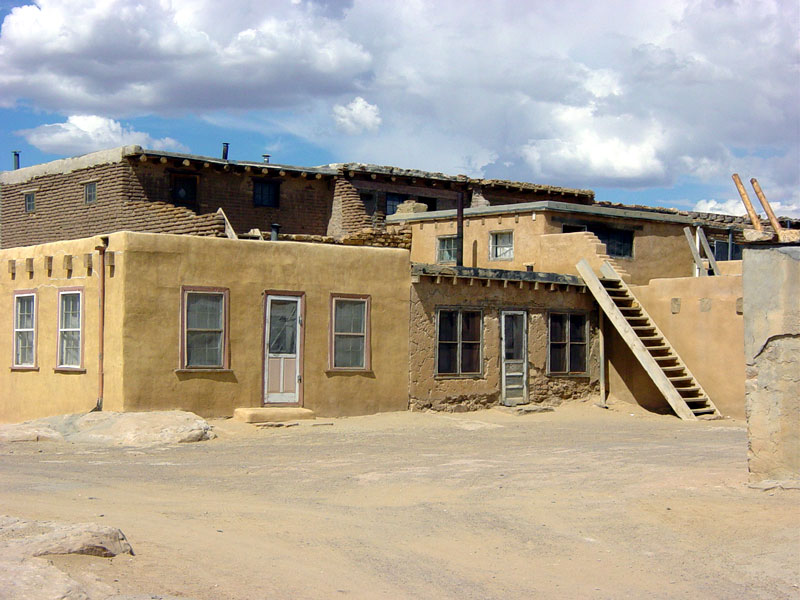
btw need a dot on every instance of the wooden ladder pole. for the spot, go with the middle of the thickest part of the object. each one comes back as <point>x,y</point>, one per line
<point>751,212</point>
<point>707,249</point>
<point>773,220</point>
<point>701,269</point>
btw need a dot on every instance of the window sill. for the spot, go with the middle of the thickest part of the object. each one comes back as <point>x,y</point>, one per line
<point>69,370</point>
<point>203,370</point>
<point>457,376</point>
<point>572,375</point>
<point>349,371</point>
<point>501,259</point>
<point>24,368</point>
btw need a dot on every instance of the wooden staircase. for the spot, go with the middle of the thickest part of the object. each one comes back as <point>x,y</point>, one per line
<point>670,375</point>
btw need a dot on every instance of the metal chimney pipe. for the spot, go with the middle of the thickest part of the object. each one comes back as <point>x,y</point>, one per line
<point>225,150</point>
<point>273,234</point>
<point>265,157</point>
<point>16,159</point>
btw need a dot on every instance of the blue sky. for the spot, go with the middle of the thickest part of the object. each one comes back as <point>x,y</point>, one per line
<point>644,102</point>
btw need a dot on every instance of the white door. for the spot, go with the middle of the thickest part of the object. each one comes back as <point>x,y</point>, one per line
<point>282,357</point>
<point>515,357</point>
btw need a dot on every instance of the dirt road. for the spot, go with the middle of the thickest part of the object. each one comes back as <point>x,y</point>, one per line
<point>579,503</point>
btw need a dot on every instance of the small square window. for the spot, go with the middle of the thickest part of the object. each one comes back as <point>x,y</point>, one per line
<point>447,248</point>
<point>266,193</point>
<point>30,202</point>
<point>350,335</point>
<point>501,245</point>
<point>566,344</point>
<point>184,189</point>
<point>90,192</point>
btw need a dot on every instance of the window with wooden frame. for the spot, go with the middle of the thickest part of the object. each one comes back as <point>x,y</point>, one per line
<point>446,249</point>
<point>266,193</point>
<point>24,330</point>
<point>30,201</point>
<point>501,245</point>
<point>459,333</point>
<point>90,192</point>
<point>184,189</point>
<point>204,328</point>
<point>567,344</point>
<point>70,329</point>
<point>393,201</point>
<point>350,333</point>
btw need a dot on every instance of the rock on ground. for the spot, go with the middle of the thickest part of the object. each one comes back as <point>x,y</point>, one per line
<point>113,428</point>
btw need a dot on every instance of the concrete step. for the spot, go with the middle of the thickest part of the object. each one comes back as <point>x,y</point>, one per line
<point>272,414</point>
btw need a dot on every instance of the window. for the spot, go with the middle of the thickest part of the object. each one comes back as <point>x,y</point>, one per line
<point>725,251</point>
<point>369,203</point>
<point>204,336</point>
<point>24,330</point>
<point>30,202</point>
<point>447,247</point>
<point>458,337</point>
<point>501,245</point>
<point>619,242</point>
<point>266,193</point>
<point>350,333</point>
<point>567,344</point>
<point>90,192</point>
<point>70,328</point>
<point>572,228</point>
<point>184,189</point>
<point>393,201</point>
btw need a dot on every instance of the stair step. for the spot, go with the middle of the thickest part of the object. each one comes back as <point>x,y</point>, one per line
<point>668,357</point>
<point>688,390</point>
<point>651,338</point>
<point>702,399</point>
<point>657,348</point>
<point>629,308</point>
<point>680,378</point>
<point>704,411</point>
<point>644,327</point>
<point>676,368</point>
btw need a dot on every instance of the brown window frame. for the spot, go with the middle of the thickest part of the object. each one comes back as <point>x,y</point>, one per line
<point>60,367</point>
<point>14,365</point>
<point>567,343</point>
<point>460,374</point>
<point>367,366</point>
<point>225,293</point>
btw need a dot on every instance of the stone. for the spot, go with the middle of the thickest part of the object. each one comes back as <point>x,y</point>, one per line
<point>276,414</point>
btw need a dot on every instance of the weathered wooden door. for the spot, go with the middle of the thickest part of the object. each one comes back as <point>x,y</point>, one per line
<point>282,352</point>
<point>515,357</point>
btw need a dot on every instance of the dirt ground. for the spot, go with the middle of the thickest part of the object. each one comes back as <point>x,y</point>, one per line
<point>579,503</point>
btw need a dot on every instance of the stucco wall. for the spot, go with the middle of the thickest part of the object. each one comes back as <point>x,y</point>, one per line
<point>156,266</point>
<point>701,318</point>
<point>29,394</point>
<point>427,390</point>
<point>771,278</point>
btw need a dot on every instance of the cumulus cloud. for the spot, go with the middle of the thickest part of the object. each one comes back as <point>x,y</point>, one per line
<point>735,207</point>
<point>80,134</point>
<point>357,117</point>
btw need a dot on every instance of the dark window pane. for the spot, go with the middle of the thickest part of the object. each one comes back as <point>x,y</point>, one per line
<point>470,357</point>
<point>558,327</point>
<point>736,252</point>
<point>429,202</point>
<point>514,325</point>
<point>266,193</point>
<point>619,242</point>
<point>720,250</point>
<point>184,190</point>
<point>470,326</point>
<point>204,311</point>
<point>447,360</point>
<point>393,201</point>
<point>348,351</point>
<point>448,326</point>
<point>577,358</point>
<point>558,358</point>
<point>572,228</point>
<point>282,326</point>
<point>577,328</point>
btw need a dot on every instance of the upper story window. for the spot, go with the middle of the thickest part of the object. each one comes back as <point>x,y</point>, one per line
<point>619,242</point>
<point>350,333</point>
<point>726,251</point>
<point>428,201</point>
<point>90,192</point>
<point>204,335</point>
<point>368,200</point>
<point>393,201</point>
<point>30,202</point>
<point>24,330</point>
<point>566,344</point>
<point>266,193</point>
<point>70,328</point>
<point>184,189</point>
<point>501,245</point>
<point>458,335</point>
<point>446,249</point>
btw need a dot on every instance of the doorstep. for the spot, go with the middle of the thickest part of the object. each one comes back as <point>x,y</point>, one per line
<point>272,414</point>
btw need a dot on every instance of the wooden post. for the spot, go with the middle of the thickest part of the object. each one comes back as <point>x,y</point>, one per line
<point>707,249</point>
<point>773,220</point>
<point>695,254</point>
<point>751,212</point>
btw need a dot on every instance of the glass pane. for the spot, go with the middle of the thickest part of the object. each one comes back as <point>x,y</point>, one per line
<point>203,349</point>
<point>282,326</point>
<point>447,361</point>
<point>470,326</point>
<point>203,311</point>
<point>558,358</point>
<point>23,348</point>
<point>447,250</point>
<point>448,326</point>
<point>348,351</point>
<point>720,250</point>
<point>70,348</point>
<point>470,357</point>
<point>24,316</point>
<point>349,316</point>
<point>558,330</point>
<point>70,311</point>
<point>577,328</point>
<point>577,358</point>
<point>513,336</point>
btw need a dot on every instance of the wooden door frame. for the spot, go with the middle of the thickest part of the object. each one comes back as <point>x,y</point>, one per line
<point>301,315</point>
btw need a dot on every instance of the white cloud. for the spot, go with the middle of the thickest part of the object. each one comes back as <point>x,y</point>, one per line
<point>735,207</point>
<point>357,117</point>
<point>87,133</point>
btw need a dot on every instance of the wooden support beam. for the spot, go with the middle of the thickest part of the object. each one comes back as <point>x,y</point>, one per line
<point>698,262</point>
<point>186,162</point>
<point>707,249</point>
<point>163,160</point>
<point>751,212</point>
<point>67,262</point>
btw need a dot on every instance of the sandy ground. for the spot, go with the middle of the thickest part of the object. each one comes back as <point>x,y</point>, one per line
<point>579,503</point>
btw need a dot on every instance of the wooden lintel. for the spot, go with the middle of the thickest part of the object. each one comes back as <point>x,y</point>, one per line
<point>438,279</point>
<point>471,280</point>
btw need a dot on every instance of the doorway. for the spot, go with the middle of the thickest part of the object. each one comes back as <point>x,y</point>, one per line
<point>515,357</point>
<point>283,356</point>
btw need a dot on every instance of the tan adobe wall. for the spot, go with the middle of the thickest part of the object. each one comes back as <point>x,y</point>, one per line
<point>304,206</point>
<point>30,394</point>
<point>427,390</point>
<point>701,317</point>
<point>61,212</point>
<point>156,266</point>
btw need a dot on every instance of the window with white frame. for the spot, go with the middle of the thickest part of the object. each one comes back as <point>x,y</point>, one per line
<point>446,249</point>
<point>566,346</point>
<point>70,328</point>
<point>90,192</point>
<point>205,316</point>
<point>30,201</point>
<point>501,245</point>
<point>24,330</point>
<point>350,333</point>
<point>458,337</point>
